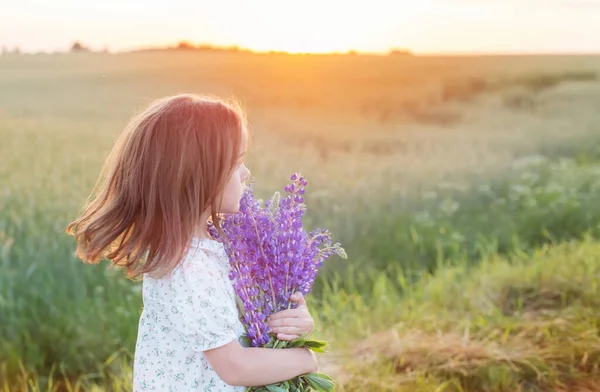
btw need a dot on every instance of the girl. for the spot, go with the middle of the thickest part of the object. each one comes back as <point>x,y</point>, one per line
<point>176,166</point>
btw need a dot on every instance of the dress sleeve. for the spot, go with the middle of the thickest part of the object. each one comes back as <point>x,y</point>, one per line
<point>202,306</point>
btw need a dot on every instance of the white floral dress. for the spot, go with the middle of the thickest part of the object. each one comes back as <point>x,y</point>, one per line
<point>191,310</point>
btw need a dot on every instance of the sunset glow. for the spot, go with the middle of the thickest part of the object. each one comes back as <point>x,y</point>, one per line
<point>426,26</point>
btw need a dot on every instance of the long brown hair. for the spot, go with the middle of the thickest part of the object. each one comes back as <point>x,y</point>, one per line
<point>167,169</point>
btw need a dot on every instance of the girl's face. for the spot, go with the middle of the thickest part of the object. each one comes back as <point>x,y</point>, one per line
<point>234,189</point>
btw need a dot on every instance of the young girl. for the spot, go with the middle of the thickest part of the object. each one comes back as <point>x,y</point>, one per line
<point>178,164</point>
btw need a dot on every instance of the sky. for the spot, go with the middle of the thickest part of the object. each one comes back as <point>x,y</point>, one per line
<point>422,26</point>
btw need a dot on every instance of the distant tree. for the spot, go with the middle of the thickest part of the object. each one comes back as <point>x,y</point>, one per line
<point>400,52</point>
<point>184,45</point>
<point>78,47</point>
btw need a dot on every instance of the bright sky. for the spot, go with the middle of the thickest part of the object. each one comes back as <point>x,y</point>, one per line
<point>424,26</point>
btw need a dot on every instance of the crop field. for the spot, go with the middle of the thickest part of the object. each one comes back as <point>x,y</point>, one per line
<point>464,190</point>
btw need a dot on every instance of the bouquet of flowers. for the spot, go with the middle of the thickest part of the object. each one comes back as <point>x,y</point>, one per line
<point>272,256</point>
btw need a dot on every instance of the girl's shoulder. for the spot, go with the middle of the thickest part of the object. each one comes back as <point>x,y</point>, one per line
<point>205,253</point>
<point>206,244</point>
<point>206,248</point>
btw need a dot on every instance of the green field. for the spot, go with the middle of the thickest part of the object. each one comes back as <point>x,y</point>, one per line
<point>464,190</point>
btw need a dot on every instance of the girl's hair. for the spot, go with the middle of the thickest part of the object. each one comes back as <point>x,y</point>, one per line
<point>169,166</point>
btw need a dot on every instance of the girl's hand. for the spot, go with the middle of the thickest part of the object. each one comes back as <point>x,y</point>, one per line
<point>292,323</point>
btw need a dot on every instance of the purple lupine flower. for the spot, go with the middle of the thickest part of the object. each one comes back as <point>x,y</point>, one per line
<point>271,254</point>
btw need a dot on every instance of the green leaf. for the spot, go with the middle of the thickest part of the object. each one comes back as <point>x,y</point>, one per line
<point>316,345</point>
<point>321,375</point>
<point>280,344</point>
<point>320,382</point>
<point>271,342</point>
<point>245,341</point>
<point>298,343</point>
<point>275,388</point>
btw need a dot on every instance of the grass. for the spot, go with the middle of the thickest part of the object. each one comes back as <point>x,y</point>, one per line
<point>423,170</point>
<point>536,201</point>
<point>524,323</point>
<point>519,323</point>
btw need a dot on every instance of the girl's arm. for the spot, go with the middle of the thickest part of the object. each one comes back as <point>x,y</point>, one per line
<point>237,365</point>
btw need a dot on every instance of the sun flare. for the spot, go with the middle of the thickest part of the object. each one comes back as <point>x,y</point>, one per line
<point>317,27</point>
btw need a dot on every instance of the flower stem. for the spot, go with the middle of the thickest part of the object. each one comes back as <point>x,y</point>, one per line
<point>264,257</point>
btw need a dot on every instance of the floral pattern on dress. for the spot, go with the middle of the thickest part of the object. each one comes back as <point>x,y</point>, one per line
<point>191,310</point>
